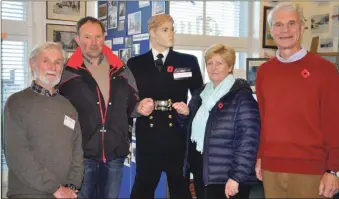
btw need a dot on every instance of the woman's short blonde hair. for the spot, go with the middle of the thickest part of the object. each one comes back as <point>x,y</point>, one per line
<point>226,52</point>
<point>157,20</point>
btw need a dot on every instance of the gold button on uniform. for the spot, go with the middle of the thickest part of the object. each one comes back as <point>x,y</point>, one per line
<point>170,116</point>
<point>170,124</point>
<point>151,125</point>
<point>150,117</point>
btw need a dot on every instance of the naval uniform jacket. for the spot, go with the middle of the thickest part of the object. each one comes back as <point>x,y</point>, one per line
<point>159,133</point>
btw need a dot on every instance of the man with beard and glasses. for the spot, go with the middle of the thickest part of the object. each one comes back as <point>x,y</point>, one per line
<point>42,133</point>
<point>103,91</point>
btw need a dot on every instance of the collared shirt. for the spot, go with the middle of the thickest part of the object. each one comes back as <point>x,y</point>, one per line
<point>295,57</point>
<point>43,91</point>
<point>155,53</point>
<point>90,62</point>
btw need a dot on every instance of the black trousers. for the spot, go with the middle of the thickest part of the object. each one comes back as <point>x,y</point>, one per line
<point>148,173</point>
<point>212,191</point>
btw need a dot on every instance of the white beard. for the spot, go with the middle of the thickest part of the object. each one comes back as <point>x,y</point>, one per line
<point>44,80</point>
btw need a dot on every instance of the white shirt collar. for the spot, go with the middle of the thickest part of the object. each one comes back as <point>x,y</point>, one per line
<point>155,53</point>
<point>295,57</point>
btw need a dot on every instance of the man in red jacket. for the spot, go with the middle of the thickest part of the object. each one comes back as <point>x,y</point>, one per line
<point>298,95</point>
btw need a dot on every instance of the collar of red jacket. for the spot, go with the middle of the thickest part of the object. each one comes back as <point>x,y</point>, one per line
<point>76,60</point>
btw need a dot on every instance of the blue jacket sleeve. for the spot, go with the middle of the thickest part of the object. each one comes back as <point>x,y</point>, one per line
<point>247,132</point>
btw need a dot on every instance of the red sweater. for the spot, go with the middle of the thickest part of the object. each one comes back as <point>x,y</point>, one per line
<point>299,110</point>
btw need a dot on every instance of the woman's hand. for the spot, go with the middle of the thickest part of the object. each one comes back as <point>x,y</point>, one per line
<point>181,108</point>
<point>231,188</point>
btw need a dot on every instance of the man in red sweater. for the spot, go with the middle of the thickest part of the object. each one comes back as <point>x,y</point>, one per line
<point>298,96</point>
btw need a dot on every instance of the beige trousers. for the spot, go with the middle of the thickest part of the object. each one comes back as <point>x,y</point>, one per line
<point>290,185</point>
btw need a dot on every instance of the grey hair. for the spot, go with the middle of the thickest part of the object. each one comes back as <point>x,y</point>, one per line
<point>47,46</point>
<point>289,6</point>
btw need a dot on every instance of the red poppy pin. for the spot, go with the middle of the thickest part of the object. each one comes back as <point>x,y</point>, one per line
<point>220,105</point>
<point>170,69</point>
<point>305,74</point>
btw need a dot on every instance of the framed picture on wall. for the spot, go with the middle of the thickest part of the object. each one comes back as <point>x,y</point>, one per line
<point>66,10</point>
<point>252,65</point>
<point>267,40</point>
<point>63,34</point>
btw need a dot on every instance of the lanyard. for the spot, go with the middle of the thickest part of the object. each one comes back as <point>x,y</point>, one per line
<point>103,117</point>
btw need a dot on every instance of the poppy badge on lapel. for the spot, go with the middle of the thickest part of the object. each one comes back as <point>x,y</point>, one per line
<point>170,69</point>
<point>220,105</point>
<point>305,74</point>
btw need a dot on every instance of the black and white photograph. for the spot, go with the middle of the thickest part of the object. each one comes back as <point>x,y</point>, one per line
<point>104,22</point>
<point>143,4</point>
<point>125,54</point>
<point>121,25</point>
<point>122,10</point>
<point>102,11</point>
<point>112,14</point>
<point>335,16</point>
<point>136,49</point>
<point>63,34</point>
<point>252,65</point>
<point>128,42</point>
<point>158,7</point>
<point>65,10</point>
<point>320,23</point>
<point>326,45</point>
<point>134,23</point>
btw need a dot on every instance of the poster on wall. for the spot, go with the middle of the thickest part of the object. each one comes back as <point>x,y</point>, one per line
<point>102,11</point>
<point>112,14</point>
<point>134,23</point>
<point>121,25</point>
<point>143,4</point>
<point>158,7</point>
<point>319,23</point>
<point>65,10</point>
<point>122,10</point>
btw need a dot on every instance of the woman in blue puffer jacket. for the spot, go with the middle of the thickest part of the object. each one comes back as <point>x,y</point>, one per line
<point>223,125</point>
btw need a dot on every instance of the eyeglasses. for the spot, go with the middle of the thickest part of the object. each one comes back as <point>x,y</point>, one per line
<point>290,25</point>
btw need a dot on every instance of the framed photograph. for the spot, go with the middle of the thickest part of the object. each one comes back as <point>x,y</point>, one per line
<point>122,10</point>
<point>267,40</point>
<point>121,25</point>
<point>158,7</point>
<point>125,54</point>
<point>112,14</point>
<point>320,23</point>
<point>134,23</point>
<point>102,12</point>
<point>252,65</point>
<point>66,10</point>
<point>63,34</point>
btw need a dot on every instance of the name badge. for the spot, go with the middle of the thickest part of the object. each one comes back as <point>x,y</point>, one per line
<point>69,122</point>
<point>182,73</point>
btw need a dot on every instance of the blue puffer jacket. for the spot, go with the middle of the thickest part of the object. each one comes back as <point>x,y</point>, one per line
<point>231,137</point>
